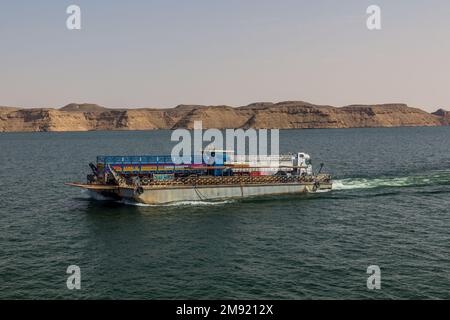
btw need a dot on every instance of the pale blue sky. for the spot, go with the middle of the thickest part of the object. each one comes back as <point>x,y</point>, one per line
<point>163,53</point>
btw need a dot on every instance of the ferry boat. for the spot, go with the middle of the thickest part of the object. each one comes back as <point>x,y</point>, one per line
<point>219,174</point>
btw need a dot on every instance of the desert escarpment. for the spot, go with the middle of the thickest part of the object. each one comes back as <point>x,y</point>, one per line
<point>283,115</point>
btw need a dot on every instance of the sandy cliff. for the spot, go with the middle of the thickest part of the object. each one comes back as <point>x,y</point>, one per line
<point>283,115</point>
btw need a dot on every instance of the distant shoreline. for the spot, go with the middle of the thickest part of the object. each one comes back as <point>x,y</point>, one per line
<point>154,130</point>
<point>283,115</point>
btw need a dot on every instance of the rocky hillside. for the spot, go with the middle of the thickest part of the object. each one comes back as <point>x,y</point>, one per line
<point>283,115</point>
<point>444,115</point>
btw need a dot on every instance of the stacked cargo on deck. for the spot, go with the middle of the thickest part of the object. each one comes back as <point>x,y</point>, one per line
<point>212,163</point>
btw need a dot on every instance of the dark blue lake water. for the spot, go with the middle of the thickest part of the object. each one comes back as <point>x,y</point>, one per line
<point>390,207</point>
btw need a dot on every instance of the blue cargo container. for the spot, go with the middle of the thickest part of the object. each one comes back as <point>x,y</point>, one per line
<point>158,164</point>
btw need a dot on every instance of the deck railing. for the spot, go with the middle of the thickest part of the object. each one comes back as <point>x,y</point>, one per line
<point>236,180</point>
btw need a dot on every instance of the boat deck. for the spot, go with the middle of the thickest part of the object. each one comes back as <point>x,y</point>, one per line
<point>211,181</point>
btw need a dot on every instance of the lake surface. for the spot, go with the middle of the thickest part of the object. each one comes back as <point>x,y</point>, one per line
<point>390,207</point>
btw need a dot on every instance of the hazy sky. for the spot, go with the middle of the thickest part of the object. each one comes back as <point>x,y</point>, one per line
<point>162,53</point>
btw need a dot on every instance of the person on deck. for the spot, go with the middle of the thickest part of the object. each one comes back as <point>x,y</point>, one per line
<point>211,162</point>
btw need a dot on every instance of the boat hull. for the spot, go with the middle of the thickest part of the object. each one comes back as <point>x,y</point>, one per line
<point>170,194</point>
